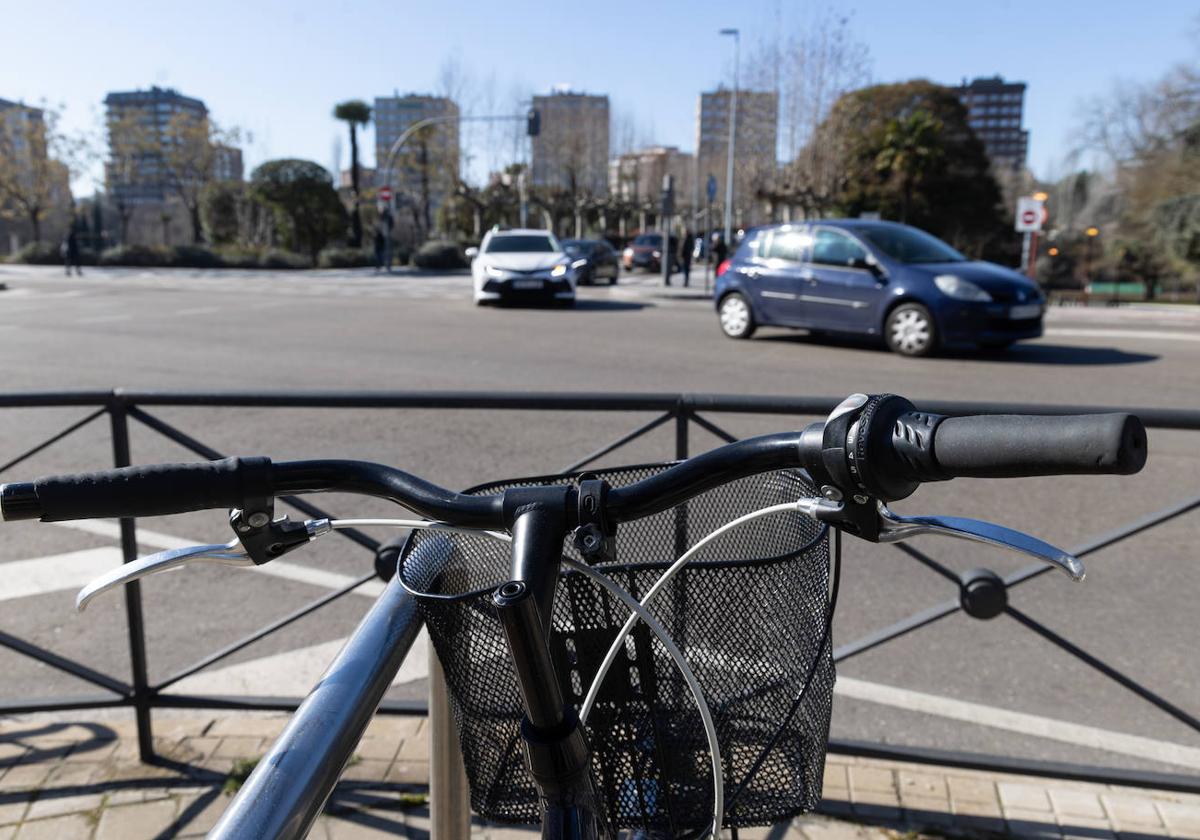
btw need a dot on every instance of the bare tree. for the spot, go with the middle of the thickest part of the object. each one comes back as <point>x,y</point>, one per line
<point>36,163</point>
<point>810,63</point>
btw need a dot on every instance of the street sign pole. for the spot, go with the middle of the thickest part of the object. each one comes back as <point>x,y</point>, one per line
<point>668,202</point>
<point>1025,251</point>
<point>710,192</point>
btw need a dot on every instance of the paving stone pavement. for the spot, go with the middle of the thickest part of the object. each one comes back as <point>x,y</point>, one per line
<point>66,779</point>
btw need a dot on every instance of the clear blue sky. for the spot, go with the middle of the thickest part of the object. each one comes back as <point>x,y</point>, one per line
<point>277,68</point>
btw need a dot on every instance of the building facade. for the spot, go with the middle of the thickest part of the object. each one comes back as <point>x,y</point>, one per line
<point>995,111</point>
<point>139,137</point>
<point>571,150</point>
<point>227,164</point>
<point>756,137</point>
<point>425,172</point>
<point>638,176</point>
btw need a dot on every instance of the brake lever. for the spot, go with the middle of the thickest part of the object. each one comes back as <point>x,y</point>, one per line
<point>893,528</point>
<point>231,553</point>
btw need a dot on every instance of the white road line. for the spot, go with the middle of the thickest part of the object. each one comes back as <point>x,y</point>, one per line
<point>27,578</point>
<point>1165,335</point>
<point>102,319</point>
<point>293,673</point>
<point>1025,724</point>
<point>276,568</point>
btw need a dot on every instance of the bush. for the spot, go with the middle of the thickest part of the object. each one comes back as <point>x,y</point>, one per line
<point>141,256</point>
<point>439,254</point>
<point>37,253</point>
<point>235,257</point>
<point>276,258</point>
<point>194,256</point>
<point>345,258</point>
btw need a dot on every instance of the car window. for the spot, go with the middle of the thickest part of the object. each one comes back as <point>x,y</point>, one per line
<point>652,239</point>
<point>832,247</point>
<point>910,245</point>
<point>512,244</point>
<point>785,244</point>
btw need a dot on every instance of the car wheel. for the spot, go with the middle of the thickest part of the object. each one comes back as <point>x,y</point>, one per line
<point>737,319</point>
<point>910,330</point>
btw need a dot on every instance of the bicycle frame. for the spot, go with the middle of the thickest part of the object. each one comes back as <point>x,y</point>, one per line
<point>288,788</point>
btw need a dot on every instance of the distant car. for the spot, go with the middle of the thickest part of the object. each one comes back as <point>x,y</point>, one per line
<point>593,260</point>
<point>645,251</point>
<point>874,278</point>
<point>522,265</point>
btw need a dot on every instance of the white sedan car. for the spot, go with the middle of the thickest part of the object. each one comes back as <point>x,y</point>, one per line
<point>522,265</point>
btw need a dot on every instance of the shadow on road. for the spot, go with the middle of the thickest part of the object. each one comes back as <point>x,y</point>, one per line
<point>1061,354</point>
<point>1025,354</point>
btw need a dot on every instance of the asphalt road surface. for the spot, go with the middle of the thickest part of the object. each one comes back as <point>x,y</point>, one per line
<point>989,686</point>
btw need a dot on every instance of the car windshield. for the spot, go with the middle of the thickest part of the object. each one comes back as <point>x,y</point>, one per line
<point>653,239</point>
<point>523,244</point>
<point>909,245</point>
<point>572,247</point>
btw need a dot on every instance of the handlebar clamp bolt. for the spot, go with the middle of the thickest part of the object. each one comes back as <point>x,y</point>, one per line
<point>831,493</point>
<point>258,519</point>
<point>861,499</point>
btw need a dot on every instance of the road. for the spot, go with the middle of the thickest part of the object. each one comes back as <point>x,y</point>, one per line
<point>957,684</point>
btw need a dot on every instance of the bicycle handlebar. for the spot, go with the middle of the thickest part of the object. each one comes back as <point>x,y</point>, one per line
<point>881,446</point>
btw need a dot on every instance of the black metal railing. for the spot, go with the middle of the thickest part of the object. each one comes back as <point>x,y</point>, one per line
<point>980,596</point>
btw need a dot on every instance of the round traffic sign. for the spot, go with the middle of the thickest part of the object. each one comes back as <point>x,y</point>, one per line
<point>1029,217</point>
<point>385,193</point>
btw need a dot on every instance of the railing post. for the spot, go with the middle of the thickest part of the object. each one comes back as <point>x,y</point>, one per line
<point>449,799</point>
<point>133,596</point>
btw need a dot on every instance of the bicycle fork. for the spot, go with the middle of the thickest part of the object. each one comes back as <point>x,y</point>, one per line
<point>556,750</point>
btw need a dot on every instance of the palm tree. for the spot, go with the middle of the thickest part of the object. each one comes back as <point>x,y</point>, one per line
<point>356,113</point>
<point>912,148</point>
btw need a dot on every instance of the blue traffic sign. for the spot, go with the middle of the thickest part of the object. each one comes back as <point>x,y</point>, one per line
<point>712,187</point>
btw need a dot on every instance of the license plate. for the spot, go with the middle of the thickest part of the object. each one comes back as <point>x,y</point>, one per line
<point>527,284</point>
<point>1029,310</point>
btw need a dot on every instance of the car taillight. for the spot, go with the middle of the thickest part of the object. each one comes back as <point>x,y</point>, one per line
<point>723,267</point>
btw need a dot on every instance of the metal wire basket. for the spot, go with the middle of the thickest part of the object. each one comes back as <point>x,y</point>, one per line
<point>750,613</point>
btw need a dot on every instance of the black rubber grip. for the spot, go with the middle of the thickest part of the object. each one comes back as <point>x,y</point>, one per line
<point>1011,446</point>
<point>141,491</point>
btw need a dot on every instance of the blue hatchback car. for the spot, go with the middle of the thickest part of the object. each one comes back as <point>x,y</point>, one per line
<point>874,278</point>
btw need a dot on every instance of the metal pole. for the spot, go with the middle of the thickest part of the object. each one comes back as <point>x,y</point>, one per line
<point>732,150</point>
<point>1025,250</point>
<point>291,783</point>
<point>524,198</point>
<point>449,793</point>
<point>133,598</point>
<point>707,244</point>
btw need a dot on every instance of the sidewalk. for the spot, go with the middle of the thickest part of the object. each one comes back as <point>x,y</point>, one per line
<point>65,780</point>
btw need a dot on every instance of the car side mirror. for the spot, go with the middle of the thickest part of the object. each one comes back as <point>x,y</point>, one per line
<point>868,263</point>
<point>472,253</point>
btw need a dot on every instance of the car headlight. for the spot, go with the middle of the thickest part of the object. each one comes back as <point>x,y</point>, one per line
<point>628,252</point>
<point>656,254</point>
<point>558,270</point>
<point>492,271</point>
<point>580,263</point>
<point>960,289</point>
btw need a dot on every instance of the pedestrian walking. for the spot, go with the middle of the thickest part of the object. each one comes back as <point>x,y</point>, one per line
<point>70,251</point>
<point>720,249</point>
<point>380,248</point>
<point>685,256</point>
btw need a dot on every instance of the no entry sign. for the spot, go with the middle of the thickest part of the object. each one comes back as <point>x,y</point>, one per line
<point>1030,214</point>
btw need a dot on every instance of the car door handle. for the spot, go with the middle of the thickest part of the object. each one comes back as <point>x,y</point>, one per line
<point>751,272</point>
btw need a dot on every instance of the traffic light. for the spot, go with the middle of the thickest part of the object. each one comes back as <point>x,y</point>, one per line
<point>533,122</point>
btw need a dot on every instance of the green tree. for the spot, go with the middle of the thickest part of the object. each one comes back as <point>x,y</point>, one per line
<point>912,150</point>
<point>908,153</point>
<point>354,112</point>
<point>220,205</point>
<point>305,204</point>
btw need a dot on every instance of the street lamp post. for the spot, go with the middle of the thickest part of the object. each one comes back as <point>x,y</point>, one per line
<point>737,47</point>
<point>1091,234</point>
